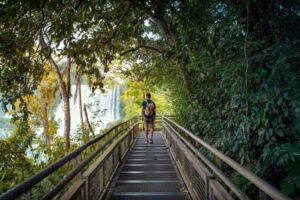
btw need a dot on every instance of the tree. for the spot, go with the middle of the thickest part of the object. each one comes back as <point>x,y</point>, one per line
<point>78,90</point>
<point>41,103</point>
<point>15,166</point>
<point>64,87</point>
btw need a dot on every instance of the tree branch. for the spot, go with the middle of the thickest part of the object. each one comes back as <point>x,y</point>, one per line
<point>127,6</point>
<point>163,22</point>
<point>42,4</point>
<point>17,20</point>
<point>138,47</point>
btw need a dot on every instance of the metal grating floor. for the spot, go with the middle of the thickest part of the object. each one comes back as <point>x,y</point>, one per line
<point>148,173</point>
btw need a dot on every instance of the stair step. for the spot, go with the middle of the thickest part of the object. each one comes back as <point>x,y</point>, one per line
<point>148,187</point>
<point>148,176</point>
<point>153,151</point>
<point>153,157</point>
<point>148,168</point>
<point>148,161</point>
<point>148,196</point>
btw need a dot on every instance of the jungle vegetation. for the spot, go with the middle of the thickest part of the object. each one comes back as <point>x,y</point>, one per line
<point>229,70</point>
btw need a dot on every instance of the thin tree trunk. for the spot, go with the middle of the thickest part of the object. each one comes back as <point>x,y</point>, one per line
<point>66,103</point>
<point>68,74</point>
<point>80,98</point>
<point>67,122</point>
<point>62,90</point>
<point>87,120</point>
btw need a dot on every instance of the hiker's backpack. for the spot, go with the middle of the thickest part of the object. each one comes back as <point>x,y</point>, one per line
<point>149,110</point>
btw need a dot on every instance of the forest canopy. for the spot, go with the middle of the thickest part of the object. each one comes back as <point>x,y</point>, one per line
<point>229,71</point>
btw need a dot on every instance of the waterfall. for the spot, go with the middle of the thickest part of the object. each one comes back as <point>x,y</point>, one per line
<point>112,104</point>
<point>5,126</point>
<point>115,103</point>
<point>118,104</point>
<point>102,108</point>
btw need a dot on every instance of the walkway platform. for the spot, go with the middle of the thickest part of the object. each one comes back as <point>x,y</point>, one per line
<point>148,173</point>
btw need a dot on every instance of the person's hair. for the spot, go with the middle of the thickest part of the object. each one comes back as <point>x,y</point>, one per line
<point>148,95</point>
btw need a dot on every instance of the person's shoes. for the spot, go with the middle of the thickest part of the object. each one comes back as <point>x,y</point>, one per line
<point>146,142</point>
<point>151,141</point>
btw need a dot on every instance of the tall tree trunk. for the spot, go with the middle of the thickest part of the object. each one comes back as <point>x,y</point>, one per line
<point>78,82</point>
<point>185,74</point>
<point>169,33</point>
<point>68,75</point>
<point>62,90</point>
<point>67,121</point>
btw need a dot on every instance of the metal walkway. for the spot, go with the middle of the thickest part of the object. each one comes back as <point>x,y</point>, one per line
<point>117,165</point>
<point>148,173</point>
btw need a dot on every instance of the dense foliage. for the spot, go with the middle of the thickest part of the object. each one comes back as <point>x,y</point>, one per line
<point>229,68</point>
<point>244,83</point>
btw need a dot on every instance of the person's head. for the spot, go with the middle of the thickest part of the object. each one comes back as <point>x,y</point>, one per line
<point>148,95</point>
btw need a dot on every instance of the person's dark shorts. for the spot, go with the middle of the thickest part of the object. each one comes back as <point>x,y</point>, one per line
<point>149,122</point>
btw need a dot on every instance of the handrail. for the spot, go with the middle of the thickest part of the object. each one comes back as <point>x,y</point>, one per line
<point>76,170</point>
<point>96,179</point>
<point>215,169</point>
<point>36,178</point>
<point>253,178</point>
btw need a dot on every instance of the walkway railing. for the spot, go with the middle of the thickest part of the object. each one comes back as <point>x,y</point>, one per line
<point>204,179</point>
<point>90,177</point>
<point>96,180</point>
<point>107,149</point>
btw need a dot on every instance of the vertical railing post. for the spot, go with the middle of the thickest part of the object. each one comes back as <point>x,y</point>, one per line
<point>120,152</point>
<point>262,195</point>
<point>86,187</point>
<point>28,195</point>
<point>76,162</point>
<point>130,137</point>
<point>207,190</point>
<point>112,157</point>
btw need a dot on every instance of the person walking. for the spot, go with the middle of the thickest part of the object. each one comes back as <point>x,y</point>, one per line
<point>148,116</point>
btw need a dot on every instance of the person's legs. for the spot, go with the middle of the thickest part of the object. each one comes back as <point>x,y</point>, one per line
<point>146,130</point>
<point>151,131</point>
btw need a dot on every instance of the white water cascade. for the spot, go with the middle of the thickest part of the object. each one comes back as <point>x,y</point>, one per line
<point>102,108</point>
